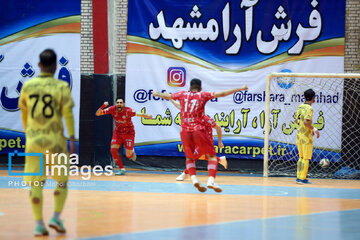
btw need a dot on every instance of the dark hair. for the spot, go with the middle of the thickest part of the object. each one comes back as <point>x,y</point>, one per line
<point>48,57</point>
<point>309,94</point>
<point>195,84</point>
<point>121,98</point>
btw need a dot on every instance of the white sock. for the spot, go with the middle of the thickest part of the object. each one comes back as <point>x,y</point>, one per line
<point>194,178</point>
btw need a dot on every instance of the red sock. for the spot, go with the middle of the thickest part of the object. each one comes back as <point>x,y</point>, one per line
<point>191,167</point>
<point>212,168</point>
<point>116,157</point>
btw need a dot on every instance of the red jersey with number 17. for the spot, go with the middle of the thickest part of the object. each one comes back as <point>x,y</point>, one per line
<point>192,108</point>
<point>122,119</point>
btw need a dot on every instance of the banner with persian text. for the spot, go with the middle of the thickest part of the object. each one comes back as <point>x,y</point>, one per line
<point>225,44</point>
<point>28,28</point>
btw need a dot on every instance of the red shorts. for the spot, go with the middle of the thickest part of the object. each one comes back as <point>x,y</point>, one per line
<point>199,140</point>
<point>126,139</point>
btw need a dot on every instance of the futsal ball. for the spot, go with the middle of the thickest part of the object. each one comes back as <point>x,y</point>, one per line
<point>324,162</point>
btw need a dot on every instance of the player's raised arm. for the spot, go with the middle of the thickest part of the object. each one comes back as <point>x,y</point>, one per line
<point>99,112</point>
<point>219,135</point>
<point>176,104</point>
<point>162,95</point>
<point>144,115</point>
<point>229,91</point>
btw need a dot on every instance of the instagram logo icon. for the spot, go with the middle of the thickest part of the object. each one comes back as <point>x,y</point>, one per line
<point>176,77</point>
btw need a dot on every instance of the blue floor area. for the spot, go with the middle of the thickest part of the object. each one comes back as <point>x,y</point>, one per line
<point>187,187</point>
<point>300,227</point>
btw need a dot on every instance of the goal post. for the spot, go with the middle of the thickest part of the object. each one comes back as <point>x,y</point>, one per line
<point>336,115</point>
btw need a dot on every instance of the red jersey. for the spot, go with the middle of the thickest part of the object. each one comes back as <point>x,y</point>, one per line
<point>209,125</point>
<point>192,110</point>
<point>122,119</point>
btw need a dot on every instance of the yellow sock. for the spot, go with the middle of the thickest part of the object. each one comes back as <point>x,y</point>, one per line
<point>36,199</point>
<point>299,168</point>
<point>305,169</point>
<point>60,194</point>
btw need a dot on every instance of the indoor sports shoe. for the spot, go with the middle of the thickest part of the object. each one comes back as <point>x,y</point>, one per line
<point>120,172</point>
<point>302,182</point>
<point>40,231</point>
<point>197,184</point>
<point>305,181</point>
<point>212,185</point>
<point>181,177</point>
<point>133,158</point>
<point>57,224</point>
<point>297,180</point>
<point>223,161</point>
<point>199,187</point>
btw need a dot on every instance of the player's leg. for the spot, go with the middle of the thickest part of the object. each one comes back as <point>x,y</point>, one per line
<point>189,148</point>
<point>60,192</point>
<point>308,148</point>
<point>129,146</point>
<point>114,149</point>
<point>116,142</point>
<point>60,195</point>
<point>300,164</point>
<point>36,183</point>
<point>197,156</point>
<point>206,145</point>
<point>212,168</point>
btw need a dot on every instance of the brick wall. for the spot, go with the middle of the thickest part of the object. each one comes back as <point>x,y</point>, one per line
<point>86,51</point>
<point>119,28</point>
<point>352,36</point>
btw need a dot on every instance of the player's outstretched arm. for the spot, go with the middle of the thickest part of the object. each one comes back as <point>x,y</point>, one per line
<point>144,115</point>
<point>162,95</point>
<point>230,91</point>
<point>99,112</point>
<point>219,135</point>
<point>176,104</point>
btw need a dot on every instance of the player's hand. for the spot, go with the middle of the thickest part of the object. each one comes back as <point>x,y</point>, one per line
<point>220,144</point>
<point>148,116</point>
<point>106,104</point>
<point>244,87</point>
<point>316,131</point>
<point>155,93</point>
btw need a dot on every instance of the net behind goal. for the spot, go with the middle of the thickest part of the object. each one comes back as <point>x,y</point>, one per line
<point>336,115</point>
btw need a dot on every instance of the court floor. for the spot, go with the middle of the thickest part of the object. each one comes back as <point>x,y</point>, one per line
<point>151,205</point>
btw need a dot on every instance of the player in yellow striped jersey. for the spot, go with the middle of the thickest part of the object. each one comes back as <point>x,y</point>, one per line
<point>304,138</point>
<point>43,101</point>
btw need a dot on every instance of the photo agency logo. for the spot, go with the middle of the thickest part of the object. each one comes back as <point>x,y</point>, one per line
<point>56,164</point>
<point>176,77</point>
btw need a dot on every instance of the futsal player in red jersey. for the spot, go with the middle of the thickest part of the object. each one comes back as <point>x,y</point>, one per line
<point>193,132</point>
<point>124,132</point>
<point>209,125</point>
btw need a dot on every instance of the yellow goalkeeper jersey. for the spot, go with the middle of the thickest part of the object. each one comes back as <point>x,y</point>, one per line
<point>304,134</point>
<point>43,101</point>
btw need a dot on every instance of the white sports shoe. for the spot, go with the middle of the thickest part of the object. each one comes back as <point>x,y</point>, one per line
<point>212,185</point>
<point>197,184</point>
<point>181,177</point>
<point>223,161</point>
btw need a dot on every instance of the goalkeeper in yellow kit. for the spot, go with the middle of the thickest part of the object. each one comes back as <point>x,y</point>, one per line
<point>304,138</point>
<point>43,101</point>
